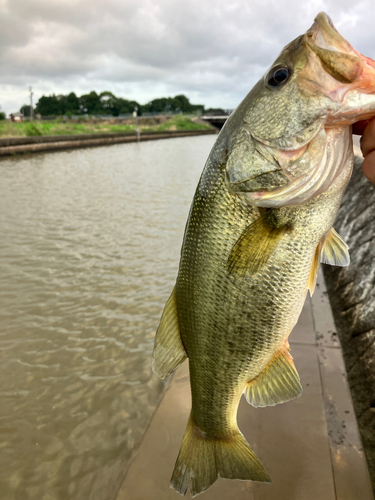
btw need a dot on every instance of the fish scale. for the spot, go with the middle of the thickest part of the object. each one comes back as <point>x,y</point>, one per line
<point>259,226</point>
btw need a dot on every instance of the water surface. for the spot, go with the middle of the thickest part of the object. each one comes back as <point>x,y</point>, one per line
<point>88,256</point>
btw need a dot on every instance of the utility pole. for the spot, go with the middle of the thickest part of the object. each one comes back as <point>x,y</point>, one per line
<point>135,115</point>
<point>31,104</point>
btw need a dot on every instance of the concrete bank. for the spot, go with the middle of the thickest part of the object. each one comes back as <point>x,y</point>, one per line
<point>310,446</point>
<point>36,144</point>
<point>352,295</point>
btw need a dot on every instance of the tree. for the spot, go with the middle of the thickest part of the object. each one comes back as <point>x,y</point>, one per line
<point>182,103</point>
<point>48,105</point>
<point>72,103</point>
<point>127,107</point>
<point>116,105</point>
<point>179,103</point>
<point>107,103</point>
<point>160,105</point>
<point>90,103</point>
<point>25,110</point>
<point>62,107</point>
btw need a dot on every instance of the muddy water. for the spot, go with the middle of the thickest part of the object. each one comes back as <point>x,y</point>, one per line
<point>88,255</point>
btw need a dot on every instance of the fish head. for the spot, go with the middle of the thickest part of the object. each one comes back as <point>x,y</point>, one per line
<point>290,138</point>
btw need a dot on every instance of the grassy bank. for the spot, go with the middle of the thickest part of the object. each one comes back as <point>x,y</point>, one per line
<point>61,127</point>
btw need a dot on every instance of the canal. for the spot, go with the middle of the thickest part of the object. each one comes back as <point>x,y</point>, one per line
<point>88,254</point>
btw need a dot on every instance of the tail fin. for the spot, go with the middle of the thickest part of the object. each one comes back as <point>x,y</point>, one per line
<point>201,460</point>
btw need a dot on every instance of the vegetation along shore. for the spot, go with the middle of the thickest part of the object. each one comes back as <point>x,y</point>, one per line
<point>94,126</point>
<point>25,138</point>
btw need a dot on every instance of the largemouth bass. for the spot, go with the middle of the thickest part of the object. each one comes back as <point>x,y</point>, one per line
<point>259,226</point>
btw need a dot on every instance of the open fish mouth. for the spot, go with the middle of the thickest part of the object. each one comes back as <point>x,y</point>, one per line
<point>339,72</point>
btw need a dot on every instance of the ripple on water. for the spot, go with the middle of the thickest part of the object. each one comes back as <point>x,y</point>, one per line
<point>89,254</point>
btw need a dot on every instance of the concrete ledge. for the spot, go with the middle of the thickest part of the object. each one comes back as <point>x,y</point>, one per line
<point>352,295</point>
<point>17,145</point>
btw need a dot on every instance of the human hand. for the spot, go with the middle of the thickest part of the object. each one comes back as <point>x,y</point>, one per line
<point>366,128</point>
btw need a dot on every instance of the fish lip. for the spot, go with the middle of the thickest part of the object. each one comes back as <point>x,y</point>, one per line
<point>327,19</point>
<point>323,24</point>
<point>324,35</point>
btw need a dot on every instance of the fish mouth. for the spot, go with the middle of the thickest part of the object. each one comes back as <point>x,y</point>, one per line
<point>348,77</point>
<point>324,35</point>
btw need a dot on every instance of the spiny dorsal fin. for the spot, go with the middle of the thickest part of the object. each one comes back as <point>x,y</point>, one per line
<point>169,352</point>
<point>255,246</point>
<point>335,250</point>
<point>279,382</point>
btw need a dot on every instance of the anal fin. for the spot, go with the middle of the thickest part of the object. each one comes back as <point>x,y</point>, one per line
<point>168,352</point>
<point>279,382</point>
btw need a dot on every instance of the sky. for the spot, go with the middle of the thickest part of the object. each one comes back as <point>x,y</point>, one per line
<point>213,51</point>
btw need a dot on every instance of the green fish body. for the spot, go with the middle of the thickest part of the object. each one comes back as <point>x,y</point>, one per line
<point>259,226</point>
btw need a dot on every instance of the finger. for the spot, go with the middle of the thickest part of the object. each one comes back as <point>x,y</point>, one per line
<point>359,127</point>
<point>368,167</point>
<point>368,138</point>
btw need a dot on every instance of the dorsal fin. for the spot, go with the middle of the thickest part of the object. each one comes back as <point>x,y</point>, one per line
<point>255,246</point>
<point>279,382</point>
<point>335,250</point>
<point>169,352</point>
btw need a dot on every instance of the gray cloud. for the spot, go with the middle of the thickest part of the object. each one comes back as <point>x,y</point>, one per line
<point>212,50</point>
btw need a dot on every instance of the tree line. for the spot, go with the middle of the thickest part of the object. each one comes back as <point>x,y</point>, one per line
<point>106,103</point>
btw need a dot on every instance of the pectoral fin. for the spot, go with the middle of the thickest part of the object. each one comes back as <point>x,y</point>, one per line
<point>255,246</point>
<point>279,382</point>
<point>169,352</point>
<point>335,250</point>
<point>330,250</point>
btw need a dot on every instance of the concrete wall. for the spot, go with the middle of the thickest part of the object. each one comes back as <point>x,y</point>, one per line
<point>352,294</point>
<point>35,144</point>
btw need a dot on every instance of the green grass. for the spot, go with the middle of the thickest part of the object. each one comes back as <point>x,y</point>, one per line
<point>58,127</point>
<point>180,122</point>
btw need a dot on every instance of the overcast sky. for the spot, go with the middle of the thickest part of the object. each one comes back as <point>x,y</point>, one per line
<point>213,51</point>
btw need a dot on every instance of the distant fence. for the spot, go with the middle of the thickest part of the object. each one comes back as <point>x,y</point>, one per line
<point>122,116</point>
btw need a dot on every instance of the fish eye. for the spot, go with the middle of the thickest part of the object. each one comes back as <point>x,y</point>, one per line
<point>278,76</point>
